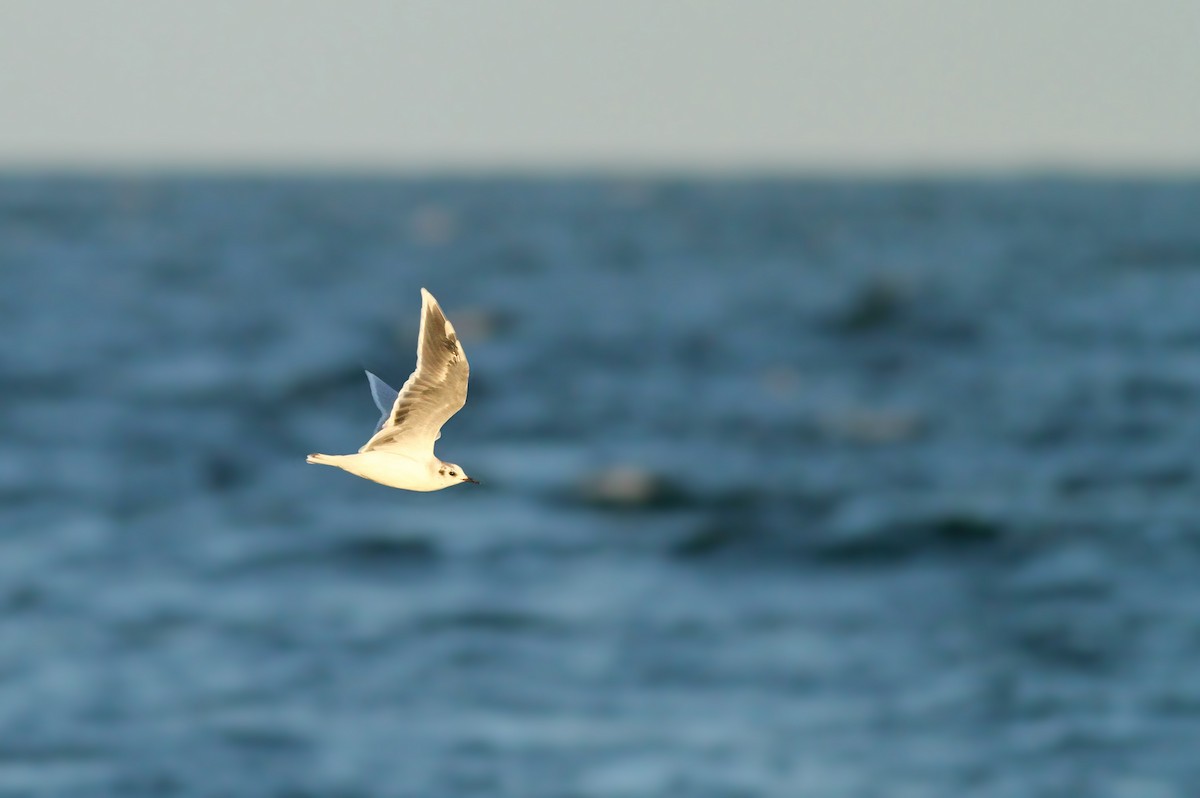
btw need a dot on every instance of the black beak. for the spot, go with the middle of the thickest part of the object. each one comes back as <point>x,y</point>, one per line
<point>472,481</point>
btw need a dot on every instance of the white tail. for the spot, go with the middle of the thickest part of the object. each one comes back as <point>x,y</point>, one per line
<point>323,459</point>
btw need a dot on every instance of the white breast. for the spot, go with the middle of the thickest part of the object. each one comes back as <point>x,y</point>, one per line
<point>393,470</point>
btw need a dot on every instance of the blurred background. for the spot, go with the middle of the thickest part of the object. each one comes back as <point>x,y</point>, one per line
<point>835,378</point>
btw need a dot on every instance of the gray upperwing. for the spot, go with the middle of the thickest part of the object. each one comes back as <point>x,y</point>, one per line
<point>434,392</point>
<point>384,396</point>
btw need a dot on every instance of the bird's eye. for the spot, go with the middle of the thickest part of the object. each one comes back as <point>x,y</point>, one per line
<point>453,473</point>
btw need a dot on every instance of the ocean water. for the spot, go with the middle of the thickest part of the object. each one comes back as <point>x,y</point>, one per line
<point>834,489</point>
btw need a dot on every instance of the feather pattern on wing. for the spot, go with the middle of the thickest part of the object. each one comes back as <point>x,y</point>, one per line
<point>435,391</point>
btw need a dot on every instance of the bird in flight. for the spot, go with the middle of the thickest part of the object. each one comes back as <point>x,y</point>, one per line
<point>400,453</point>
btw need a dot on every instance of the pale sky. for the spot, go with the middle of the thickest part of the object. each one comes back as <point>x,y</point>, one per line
<point>594,84</point>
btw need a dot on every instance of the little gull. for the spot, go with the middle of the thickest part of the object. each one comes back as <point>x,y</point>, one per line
<point>400,453</point>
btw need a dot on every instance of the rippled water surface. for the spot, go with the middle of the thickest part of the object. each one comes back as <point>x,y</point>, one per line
<point>823,489</point>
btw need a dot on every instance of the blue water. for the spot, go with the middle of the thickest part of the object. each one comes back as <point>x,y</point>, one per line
<point>792,488</point>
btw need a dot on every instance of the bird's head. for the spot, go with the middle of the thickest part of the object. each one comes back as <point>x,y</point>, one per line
<point>452,473</point>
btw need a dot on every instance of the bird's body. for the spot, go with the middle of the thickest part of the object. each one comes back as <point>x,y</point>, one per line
<point>389,468</point>
<point>400,453</point>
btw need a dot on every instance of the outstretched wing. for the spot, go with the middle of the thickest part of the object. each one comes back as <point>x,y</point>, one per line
<point>384,396</point>
<point>432,394</point>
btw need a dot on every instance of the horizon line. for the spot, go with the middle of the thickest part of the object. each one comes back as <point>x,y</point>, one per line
<point>614,170</point>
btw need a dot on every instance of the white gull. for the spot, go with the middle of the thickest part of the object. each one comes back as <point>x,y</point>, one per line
<point>400,453</point>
